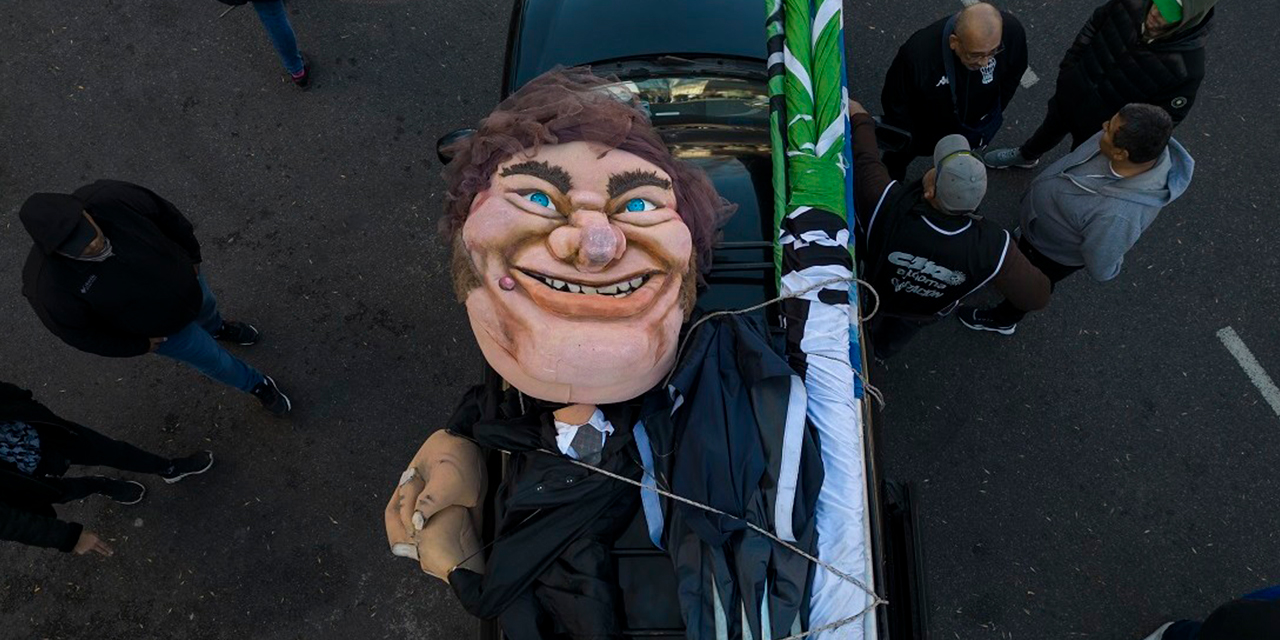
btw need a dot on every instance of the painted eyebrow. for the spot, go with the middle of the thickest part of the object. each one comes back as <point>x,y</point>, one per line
<point>556,176</point>
<point>620,183</point>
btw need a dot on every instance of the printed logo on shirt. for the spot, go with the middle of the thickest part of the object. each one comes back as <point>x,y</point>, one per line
<point>921,276</point>
<point>88,283</point>
<point>943,82</point>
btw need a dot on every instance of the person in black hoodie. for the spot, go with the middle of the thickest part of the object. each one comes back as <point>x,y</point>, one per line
<point>1143,51</point>
<point>957,75</point>
<point>115,271</point>
<point>37,448</point>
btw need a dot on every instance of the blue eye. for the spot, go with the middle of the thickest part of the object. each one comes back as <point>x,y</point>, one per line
<point>539,198</point>
<point>640,204</point>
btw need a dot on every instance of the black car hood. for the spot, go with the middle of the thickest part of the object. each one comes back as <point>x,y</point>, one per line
<point>573,32</point>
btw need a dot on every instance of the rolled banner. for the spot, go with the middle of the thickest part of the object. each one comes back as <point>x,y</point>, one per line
<point>813,250</point>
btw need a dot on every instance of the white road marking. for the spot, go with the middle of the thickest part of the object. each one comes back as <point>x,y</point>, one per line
<point>1260,379</point>
<point>1029,78</point>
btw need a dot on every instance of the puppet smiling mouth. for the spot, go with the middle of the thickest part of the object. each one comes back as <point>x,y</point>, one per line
<point>619,289</point>
<point>615,299</point>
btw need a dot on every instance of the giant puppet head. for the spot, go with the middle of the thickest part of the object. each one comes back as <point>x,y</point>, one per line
<point>576,239</point>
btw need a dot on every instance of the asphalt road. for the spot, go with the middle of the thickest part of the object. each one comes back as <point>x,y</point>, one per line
<point>1107,468</point>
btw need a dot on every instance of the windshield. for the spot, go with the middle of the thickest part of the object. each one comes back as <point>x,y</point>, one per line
<point>704,100</point>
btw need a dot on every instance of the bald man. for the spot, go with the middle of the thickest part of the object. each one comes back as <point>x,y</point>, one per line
<point>956,75</point>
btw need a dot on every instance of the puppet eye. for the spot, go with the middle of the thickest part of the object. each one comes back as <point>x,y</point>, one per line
<point>539,198</point>
<point>640,204</point>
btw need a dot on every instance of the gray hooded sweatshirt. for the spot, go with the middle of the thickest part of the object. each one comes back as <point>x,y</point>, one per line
<point>1079,213</point>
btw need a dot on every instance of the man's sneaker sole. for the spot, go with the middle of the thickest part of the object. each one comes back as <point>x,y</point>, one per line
<point>1031,165</point>
<point>141,486</point>
<point>1004,331</point>
<point>171,480</point>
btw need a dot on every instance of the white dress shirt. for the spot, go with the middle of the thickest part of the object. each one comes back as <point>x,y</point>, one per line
<point>565,432</point>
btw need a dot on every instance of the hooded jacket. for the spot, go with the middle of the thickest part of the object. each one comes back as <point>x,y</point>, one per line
<point>1112,63</point>
<point>1077,213</point>
<point>147,288</point>
<point>26,501</point>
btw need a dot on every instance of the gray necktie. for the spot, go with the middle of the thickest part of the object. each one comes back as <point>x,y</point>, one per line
<point>587,443</point>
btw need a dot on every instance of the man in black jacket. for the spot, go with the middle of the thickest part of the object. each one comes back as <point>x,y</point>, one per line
<point>36,450</point>
<point>956,75</point>
<point>1146,51</point>
<point>115,271</point>
<point>924,247</point>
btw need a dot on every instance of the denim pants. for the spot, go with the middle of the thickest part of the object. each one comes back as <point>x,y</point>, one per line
<point>194,345</point>
<point>276,21</point>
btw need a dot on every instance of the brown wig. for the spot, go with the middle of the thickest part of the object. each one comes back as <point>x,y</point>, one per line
<point>572,105</point>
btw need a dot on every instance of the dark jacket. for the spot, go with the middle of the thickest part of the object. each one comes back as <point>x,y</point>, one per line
<point>550,574</point>
<point>26,501</point>
<point>1111,64</point>
<point>147,289</point>
<point>550,570</point>
<point>917,93</point>
<point>921,261</point>
<point>739,440</point>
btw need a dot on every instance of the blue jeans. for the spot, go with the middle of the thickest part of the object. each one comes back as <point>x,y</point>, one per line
<point>195,345</point>
<point>276,21</point>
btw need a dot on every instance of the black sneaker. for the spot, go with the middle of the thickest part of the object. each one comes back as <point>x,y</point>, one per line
<point>303,80</point>
<point>123,491</point>
<point>241,333</point>
<point>191,465</point>
<point>272,397</point>
<point>981,320</point>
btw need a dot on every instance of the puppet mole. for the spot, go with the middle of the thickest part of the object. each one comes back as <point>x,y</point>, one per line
<point>576,238</point>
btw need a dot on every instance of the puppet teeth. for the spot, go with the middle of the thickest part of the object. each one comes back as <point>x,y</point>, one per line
<point>616,290</point>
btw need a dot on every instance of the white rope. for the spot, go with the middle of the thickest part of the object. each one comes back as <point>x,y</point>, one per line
<point>876,600</point>
<point>875,297</point>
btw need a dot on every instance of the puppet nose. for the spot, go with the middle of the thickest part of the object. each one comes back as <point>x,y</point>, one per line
<point>590,242</point>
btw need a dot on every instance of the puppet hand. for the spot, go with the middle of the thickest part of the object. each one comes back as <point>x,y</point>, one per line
<point>449,540</point>
<point>447,471</point>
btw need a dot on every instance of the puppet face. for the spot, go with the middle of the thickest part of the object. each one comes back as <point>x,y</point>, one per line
<point>583,269</point>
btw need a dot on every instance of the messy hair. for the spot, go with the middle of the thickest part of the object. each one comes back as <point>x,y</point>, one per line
<point>572,105</point>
